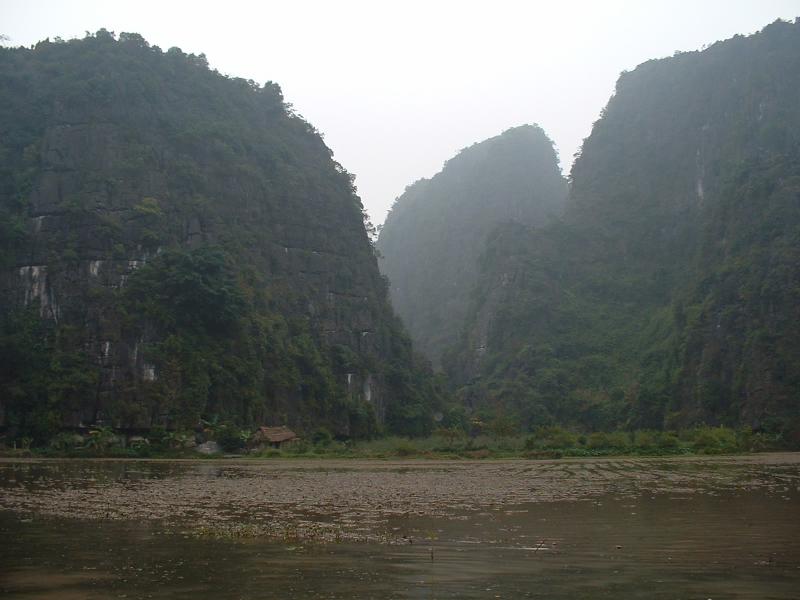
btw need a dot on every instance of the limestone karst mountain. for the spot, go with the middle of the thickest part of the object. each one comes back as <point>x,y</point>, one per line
<point>436,231</point>
<point>177,245</point>
<point>669,293</point>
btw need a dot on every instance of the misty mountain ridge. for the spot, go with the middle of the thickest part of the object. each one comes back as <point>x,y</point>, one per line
<point>435,232</point>
<point>668,294</point>
<point>177,246</point>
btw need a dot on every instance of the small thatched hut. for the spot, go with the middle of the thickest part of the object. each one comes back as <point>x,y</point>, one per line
<point>272,437</point>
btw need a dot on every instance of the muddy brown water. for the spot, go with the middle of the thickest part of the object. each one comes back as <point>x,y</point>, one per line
<point>722,527</point>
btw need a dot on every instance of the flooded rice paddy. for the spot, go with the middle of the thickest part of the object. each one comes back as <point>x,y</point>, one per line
<point>724,527</point>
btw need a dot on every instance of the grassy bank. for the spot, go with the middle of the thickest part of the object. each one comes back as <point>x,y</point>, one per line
<point>550,442</point>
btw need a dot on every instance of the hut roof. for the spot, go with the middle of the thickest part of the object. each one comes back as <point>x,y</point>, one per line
<point>276,434</point>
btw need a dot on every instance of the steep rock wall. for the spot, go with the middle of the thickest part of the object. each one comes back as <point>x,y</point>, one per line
<point>184,247</point>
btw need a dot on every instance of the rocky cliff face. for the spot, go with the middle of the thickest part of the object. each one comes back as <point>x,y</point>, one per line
<point>436,231</point>
<point>668,294</point>
<point>178,245</point>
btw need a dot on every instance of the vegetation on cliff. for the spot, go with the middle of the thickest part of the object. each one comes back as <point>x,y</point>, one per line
<point>669,293</point>
<point>178,245</point>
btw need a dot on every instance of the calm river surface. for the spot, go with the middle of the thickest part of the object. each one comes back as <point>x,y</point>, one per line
<point>725,527</point>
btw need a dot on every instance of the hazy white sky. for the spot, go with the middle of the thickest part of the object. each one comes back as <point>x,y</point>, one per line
<point>399,87</point>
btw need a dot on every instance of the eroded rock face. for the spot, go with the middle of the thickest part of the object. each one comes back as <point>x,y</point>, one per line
<point>189,243</point>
